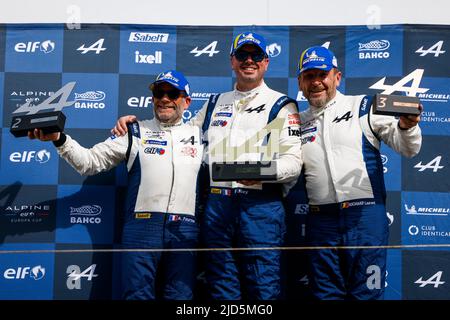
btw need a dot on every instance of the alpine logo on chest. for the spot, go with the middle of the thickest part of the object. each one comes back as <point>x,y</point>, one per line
<point>347,116</point>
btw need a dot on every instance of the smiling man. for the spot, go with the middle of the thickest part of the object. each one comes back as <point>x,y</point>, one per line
<point>248,214</point>
<point>163,158</point>
<point>250,123</point>
<point>341,139</point>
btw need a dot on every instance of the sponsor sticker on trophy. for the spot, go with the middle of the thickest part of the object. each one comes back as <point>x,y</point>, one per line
<point>395,105</point>
<point>28,117</point>
<point>234,171</point>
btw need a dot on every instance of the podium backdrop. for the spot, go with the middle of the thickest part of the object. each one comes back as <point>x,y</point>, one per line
<point>59,231</point>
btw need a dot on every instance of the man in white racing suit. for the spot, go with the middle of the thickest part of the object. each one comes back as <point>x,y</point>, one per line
<point>250,123</point>
<point>341,139</point>
<point>163,158</point>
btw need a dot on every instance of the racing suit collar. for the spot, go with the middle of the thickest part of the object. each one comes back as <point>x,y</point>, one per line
<point>253,91</point>
<point>164,125</point>
<point>241,99</point>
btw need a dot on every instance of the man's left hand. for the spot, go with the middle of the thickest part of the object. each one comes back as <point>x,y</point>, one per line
<point>249,182</point>
<point>409,121</point>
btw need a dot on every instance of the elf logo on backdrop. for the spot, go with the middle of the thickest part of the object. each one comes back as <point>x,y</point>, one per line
<point>210,50</point>
<point>435,49</point>
<point>41,156</point>
<point>46,46</point>
<point>21,273</point>
<point>139,102</point>
<point>415,77</point>
<point>97,47</point>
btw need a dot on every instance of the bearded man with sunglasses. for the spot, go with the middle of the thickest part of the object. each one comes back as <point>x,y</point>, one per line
<point>163,158</point>
<point>246,214</point>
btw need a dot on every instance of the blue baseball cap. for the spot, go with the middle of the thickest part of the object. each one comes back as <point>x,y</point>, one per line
<point>174,78</point>
<point>248,38</point>
<point>317,58</point>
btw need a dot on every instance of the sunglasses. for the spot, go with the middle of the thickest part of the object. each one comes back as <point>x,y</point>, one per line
<point>172,94</point>
<point>256,56</point>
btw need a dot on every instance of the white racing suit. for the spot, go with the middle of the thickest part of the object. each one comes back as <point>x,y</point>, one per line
<point>345,187</point>
<point>248,216</point>
<point>162,162</point>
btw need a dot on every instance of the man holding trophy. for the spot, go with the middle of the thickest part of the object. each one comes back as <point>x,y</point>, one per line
<point>341,137</point>
<point>244,130</point>
<point>163,158</point>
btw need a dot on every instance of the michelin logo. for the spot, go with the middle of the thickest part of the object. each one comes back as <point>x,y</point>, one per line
<point>427,211</point>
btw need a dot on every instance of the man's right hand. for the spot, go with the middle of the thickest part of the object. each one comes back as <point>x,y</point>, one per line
<point>39,134</point>
<point>121,126</point>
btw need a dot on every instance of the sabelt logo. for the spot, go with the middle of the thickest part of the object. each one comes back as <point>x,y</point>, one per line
<point>41,156</point>
<point>384,161</point>
<point>148,37</point>
<point>22,273</point>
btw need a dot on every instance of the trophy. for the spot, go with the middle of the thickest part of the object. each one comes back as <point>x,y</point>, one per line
<point>395,105</point>
<point>234,171</point>
<point>48,122</point>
